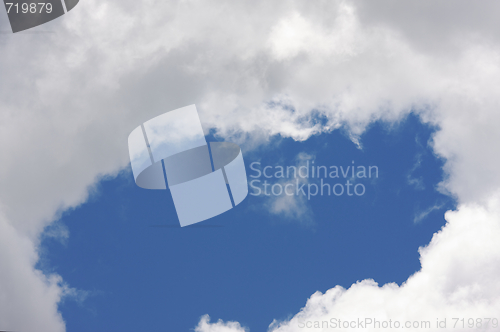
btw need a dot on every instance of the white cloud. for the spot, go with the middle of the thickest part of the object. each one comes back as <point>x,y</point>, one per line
<point>458,279</point>
<point>69,99</point>
<point>205,326</point>
<point>422,214</point>
<point>28,298</point>
<point>283,194</point>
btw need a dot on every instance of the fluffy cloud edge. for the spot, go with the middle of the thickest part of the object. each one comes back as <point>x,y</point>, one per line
<point>458,280</point>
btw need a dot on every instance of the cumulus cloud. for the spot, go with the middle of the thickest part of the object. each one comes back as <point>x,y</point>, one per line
<point>205,326</point>
<point>458,279</point>
<point>28,298</point>
<point>69,98</point>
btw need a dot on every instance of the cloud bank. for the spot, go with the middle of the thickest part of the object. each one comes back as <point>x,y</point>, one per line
<point>458,279</point>
<point>70,97</point>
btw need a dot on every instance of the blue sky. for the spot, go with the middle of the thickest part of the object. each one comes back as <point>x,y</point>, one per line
<point>143,272</point>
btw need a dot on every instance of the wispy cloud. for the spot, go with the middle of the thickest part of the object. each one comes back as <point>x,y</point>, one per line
<point>294,207</point>
<point>416,182</point>
<point>422,214</point>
